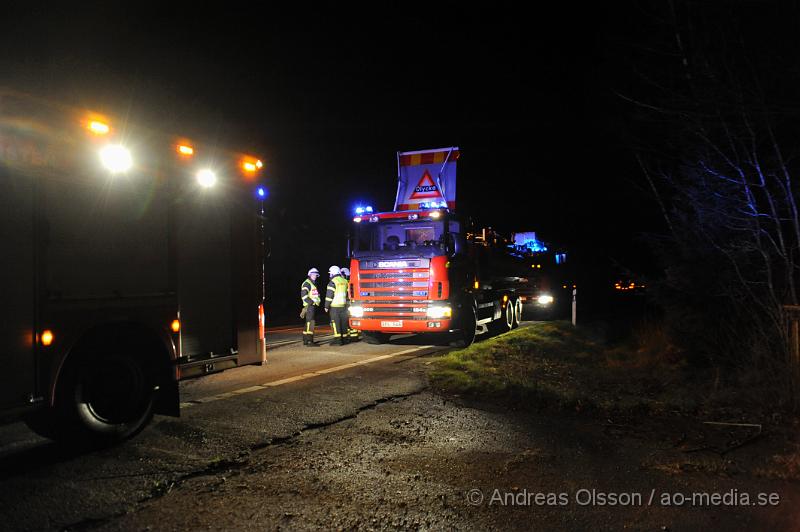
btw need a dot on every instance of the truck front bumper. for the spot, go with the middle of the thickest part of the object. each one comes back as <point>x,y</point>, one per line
<point>401,326</point>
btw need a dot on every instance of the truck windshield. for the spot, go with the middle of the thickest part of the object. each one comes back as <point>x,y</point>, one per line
<point>393,237</point>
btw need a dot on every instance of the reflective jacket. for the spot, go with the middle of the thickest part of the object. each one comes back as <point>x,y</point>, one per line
<point>309,294</point>
<point>336,296</point>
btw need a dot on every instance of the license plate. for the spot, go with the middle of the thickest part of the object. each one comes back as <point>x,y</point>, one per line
<point>392,323</point>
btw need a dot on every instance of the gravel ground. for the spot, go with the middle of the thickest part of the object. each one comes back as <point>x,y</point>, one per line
<point>416,463</point>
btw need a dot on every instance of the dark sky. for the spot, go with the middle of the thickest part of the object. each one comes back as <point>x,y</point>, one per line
<point>327,95</point>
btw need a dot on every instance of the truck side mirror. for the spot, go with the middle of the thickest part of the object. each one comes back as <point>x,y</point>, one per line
<point>455,243</point>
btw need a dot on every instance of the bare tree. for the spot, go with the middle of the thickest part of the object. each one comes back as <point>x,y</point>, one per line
<point>714,134</point>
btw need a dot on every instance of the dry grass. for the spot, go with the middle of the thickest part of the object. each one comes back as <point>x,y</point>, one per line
<point>555,364</point>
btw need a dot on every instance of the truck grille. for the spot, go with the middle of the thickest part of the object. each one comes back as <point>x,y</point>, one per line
<point>423,284</point>
<point>396,293</point>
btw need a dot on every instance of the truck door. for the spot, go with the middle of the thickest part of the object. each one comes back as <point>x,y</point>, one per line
<point>17,318</point>
<point>204,273</point>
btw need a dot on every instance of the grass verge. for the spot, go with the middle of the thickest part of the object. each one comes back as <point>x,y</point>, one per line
<point>555,364</point>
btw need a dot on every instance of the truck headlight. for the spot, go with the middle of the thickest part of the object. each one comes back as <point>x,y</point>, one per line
<point>544,299</point>
<point>357,312</point>
<point>439,312</point>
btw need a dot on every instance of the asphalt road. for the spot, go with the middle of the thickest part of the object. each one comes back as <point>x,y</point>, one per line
<point>342,438</point>
<point>225,417</point>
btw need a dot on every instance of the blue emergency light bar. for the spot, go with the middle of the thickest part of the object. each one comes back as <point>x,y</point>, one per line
<point>433,205</point>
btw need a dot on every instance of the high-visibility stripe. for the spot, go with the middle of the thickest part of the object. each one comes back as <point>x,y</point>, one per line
<point>434,157</point>
<point>333,324</point>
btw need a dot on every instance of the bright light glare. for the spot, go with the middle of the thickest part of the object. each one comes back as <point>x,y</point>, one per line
<point>439,312</point>
<point>206,178</point>
<point>261,192</point>
<point>185,150</point>
<point>47,337</point>
<point>544,299</point>
<point>435,214</point>
<point>116,158</point>
<point>249,167</point>
<point>357,312</point>
<point>99,128</point>
<point>259,164</point>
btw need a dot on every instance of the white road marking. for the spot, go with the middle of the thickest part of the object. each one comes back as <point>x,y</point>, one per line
<point>296,378</point>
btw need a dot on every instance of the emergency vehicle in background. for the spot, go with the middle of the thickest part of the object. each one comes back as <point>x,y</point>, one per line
<point>423,268</point>
<point>547,278</point>
<point>130,260</point>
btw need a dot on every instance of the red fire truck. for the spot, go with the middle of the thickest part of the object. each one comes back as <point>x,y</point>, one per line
<point>422,268</point>
<point>130,260</point>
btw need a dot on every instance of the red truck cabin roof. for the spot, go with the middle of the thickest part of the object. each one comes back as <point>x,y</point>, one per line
<point>401,215</point>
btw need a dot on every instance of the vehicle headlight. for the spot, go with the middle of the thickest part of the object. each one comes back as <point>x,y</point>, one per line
<point>357,312</point>
<point>439,312</point>
<point>544,299</point>
<point>116,158</point>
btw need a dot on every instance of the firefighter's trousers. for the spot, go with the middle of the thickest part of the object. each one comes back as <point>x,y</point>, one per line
<point>308,332</point>
<point>339,324</point>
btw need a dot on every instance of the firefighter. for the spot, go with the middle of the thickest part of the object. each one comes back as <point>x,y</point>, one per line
<point>309,295</point>
<point>336,303</point>
<point>352,334</point>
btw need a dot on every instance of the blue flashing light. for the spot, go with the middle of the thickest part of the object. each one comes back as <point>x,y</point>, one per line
<point>359,210</point>
<point>369,209</point>
<point>536,246</point>
<point>261,192</point>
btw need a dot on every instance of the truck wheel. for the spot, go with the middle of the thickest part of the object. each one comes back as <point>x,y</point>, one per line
<point>375,338</point>
<point>506,321</point>
<point>517,312</point>
<point>468,326</point>
<point>103,399</point>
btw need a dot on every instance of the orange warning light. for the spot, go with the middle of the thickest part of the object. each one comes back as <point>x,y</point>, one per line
<point>97,127</point>
<point>185,149</point>
<point>47,337</point>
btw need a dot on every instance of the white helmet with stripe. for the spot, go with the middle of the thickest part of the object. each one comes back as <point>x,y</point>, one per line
<point>313,270</point>
<point>333,270</point>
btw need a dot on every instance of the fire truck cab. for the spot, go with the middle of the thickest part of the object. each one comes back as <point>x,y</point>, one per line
<point>428,271</point>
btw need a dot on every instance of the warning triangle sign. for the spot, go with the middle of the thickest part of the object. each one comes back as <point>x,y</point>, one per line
<point>426,188</point>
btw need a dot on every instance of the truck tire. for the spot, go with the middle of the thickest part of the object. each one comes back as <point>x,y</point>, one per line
<point>375,338</point>
<point>100,400</point>
<point>468,325</point>
<point>517,312</point>
<point>506,321</point>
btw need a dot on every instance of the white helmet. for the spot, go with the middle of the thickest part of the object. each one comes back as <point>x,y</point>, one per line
<point>333,270</point>
<point>345,272</point>
<point>313,270</point>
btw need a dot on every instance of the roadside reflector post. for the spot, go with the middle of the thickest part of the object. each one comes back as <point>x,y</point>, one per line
<point>262,340</point>
<point>574,305</point>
